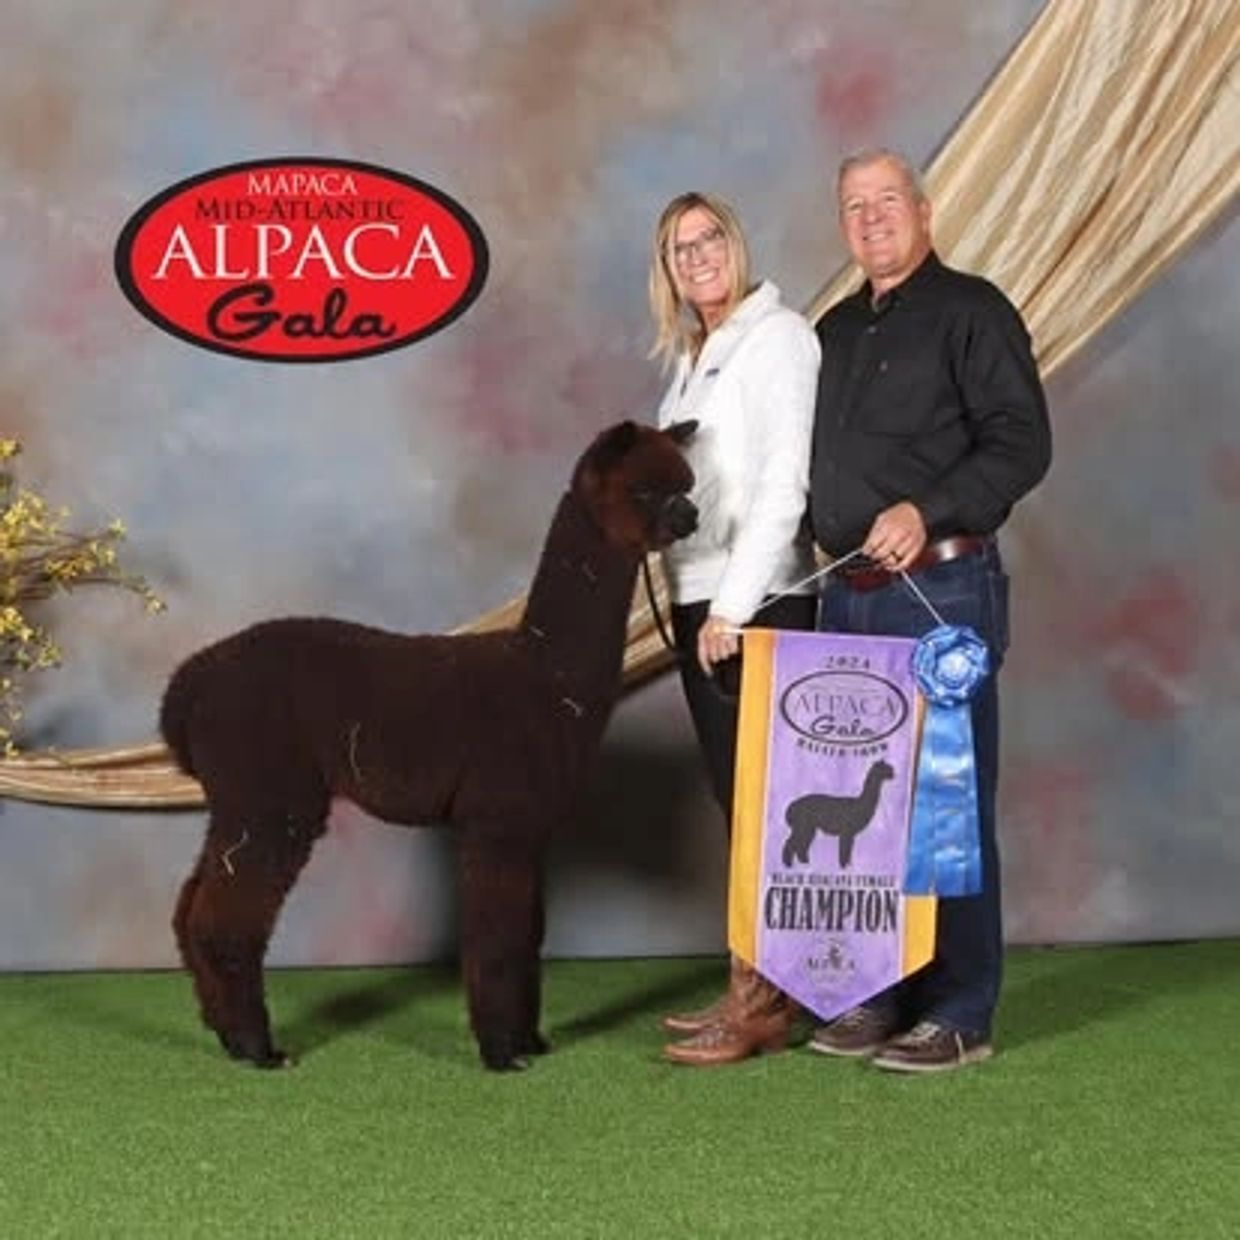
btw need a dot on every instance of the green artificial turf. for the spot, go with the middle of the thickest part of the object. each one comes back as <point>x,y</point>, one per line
<point>1112,1110</point>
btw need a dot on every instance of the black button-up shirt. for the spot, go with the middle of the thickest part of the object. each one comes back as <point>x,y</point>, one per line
<point>933,396</point>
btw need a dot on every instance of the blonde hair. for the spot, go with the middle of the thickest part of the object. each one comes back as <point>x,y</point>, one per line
<point>678,326</point>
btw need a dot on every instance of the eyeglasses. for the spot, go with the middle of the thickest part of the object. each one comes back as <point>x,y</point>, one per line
<point>710,242</point>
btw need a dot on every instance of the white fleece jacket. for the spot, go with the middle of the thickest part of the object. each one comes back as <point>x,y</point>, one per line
<point>752,392</point>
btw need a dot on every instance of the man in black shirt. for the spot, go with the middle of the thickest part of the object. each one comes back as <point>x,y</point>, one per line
<point>931,423</point>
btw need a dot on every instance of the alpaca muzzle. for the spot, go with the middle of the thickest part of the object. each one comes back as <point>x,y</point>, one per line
<point>679,516</point>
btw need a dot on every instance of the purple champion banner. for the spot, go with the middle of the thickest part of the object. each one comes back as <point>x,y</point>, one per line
<point>820,830</point>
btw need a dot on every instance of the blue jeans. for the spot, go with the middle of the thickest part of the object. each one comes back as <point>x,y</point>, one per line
<point>960,987</point>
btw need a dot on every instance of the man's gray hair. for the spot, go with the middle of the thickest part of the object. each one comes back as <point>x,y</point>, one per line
<point>875,154</point>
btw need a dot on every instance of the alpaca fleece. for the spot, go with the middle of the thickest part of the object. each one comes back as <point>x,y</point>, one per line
<point>492,734</point>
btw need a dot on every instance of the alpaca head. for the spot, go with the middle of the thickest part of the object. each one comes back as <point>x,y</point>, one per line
<point>634,481</point>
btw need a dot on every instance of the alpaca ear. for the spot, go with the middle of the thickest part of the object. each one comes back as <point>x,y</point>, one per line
<point>613,443</point>
<point>682,432</point>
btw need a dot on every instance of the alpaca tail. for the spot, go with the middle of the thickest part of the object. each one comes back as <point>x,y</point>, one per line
<point>175,711</point>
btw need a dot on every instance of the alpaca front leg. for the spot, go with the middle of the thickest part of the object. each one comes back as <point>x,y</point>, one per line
<point>534,1042</point>
<point>501,936</point>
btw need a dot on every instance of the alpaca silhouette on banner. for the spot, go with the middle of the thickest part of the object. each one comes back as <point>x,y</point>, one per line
<point>843,817</point>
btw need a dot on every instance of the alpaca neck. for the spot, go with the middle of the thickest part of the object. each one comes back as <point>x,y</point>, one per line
<point>577,608</point>
<point>869,792</point>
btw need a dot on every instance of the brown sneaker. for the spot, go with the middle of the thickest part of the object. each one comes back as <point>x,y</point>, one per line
<point>860,1031</point>
<point>930,1047</point>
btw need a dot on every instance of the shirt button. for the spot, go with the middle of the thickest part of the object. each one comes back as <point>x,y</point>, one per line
<point>873,327</point>
<point>882,366</point>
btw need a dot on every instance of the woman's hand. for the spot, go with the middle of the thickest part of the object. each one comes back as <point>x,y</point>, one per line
<point>718,639</point>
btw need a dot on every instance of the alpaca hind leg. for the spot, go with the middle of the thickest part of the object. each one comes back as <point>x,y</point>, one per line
<point>796,846</point>
<point>180,917</point>
<point>501,935</point>
<point>248,866</point>
<point>206,984</point>
<point>789,850</point>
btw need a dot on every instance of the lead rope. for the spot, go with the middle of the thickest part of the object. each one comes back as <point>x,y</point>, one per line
<point>792,589</point>
<point>830,568</point>
<point>654,607</point>
<point>796,585</point>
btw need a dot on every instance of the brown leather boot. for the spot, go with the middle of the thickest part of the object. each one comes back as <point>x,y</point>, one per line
<point>758,1022</point>
<point>695,1022</point>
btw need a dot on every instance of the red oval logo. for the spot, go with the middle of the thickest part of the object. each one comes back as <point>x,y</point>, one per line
<point>301,260</point>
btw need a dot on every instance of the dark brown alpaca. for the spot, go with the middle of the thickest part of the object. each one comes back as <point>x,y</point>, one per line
<point>491,733</point>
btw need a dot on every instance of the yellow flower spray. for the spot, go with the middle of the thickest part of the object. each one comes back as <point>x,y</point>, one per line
<point>38,557</point>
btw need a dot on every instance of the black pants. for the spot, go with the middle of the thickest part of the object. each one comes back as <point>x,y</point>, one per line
<point>714,700</point>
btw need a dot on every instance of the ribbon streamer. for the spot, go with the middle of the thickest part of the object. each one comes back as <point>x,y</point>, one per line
<point>944,850</point>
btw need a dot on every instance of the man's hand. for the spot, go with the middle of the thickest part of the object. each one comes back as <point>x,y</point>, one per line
<point>896,538</point>
<point>717,640</point>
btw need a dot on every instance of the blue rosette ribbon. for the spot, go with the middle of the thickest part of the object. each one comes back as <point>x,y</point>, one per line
<point>944,852</point>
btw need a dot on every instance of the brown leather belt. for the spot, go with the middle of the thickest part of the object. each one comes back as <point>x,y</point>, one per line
<point>864,574</point>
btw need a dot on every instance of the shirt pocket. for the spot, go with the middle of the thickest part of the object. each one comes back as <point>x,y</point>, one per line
<point>898,393</point>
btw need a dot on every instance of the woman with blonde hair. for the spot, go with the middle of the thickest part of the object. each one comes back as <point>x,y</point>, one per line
<point>745,367</point>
